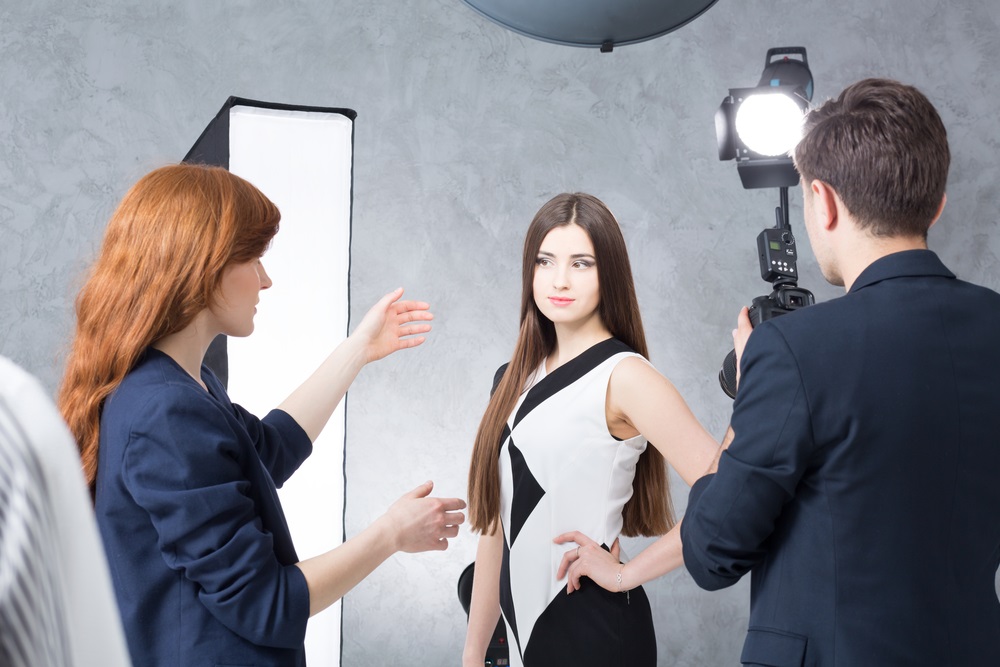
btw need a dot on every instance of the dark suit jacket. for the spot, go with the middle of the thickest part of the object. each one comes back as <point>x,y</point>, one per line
<point>201,558</point>
<point>862,489</point>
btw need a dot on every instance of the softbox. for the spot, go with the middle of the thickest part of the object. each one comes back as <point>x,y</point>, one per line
<point>301,158</point>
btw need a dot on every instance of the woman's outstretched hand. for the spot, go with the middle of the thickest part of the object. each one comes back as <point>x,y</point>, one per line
<point>413,523</point>
<point>589,560</point>
<point>391,325</point>
<point>421,523</point>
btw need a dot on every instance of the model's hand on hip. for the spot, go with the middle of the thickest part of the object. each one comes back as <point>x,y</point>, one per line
<point>590,560</point>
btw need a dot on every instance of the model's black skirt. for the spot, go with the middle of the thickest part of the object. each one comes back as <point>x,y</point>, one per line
<point>594,627</point>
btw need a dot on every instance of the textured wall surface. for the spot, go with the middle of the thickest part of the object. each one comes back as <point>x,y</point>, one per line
<point>463,131</point>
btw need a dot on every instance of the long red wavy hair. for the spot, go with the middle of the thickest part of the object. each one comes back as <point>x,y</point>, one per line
<point>649,511</point>
<point>160,265</point>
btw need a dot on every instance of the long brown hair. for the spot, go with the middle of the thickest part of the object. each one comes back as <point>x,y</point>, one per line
<point>160,265</point>
<point>648,512</point>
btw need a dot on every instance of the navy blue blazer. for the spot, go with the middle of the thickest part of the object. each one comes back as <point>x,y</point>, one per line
<point>200,554</point>
<point>862,489</point>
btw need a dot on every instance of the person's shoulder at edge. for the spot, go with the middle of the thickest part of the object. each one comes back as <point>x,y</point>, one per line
<point>16,380</point>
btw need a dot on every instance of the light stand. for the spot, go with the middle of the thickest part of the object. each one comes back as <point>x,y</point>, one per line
<point>777,255</point>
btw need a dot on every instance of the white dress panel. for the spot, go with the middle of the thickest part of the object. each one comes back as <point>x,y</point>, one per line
<point>586,474</point>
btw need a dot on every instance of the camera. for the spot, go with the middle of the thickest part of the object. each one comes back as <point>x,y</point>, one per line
<point>783,300</point>
<point>777,255</point>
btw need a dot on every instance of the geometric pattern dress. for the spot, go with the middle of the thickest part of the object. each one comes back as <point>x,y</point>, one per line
<point>561,470</point>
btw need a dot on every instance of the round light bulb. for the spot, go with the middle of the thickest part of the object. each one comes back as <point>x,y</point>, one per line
<point>769,123</point>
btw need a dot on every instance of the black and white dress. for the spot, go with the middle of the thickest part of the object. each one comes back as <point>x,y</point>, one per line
<point>561,470</point>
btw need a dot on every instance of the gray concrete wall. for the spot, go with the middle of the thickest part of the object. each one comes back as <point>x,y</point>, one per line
<point>463,131</point>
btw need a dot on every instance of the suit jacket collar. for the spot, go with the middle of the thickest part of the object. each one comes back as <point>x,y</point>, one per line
<point>908,263</point>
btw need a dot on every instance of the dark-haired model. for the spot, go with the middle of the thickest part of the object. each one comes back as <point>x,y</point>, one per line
<point>561,465</point>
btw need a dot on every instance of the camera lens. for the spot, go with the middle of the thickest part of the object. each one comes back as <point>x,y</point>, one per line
<point>727,375</point>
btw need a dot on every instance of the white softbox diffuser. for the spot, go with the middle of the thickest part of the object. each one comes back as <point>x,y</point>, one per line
<point>301,158</point>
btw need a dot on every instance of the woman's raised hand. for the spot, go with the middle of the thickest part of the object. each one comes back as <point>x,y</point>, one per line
<point>391,325</point>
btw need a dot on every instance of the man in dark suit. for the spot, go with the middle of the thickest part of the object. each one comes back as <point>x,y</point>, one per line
<point>861,487</point>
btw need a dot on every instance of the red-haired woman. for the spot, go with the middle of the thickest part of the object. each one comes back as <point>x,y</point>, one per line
<point>561,462</point>
<point>184,481</point>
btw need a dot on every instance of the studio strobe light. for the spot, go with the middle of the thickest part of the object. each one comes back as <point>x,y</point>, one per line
<point>759,127</point>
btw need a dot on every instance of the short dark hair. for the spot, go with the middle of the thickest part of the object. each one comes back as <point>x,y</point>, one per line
<point>882,147</point>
